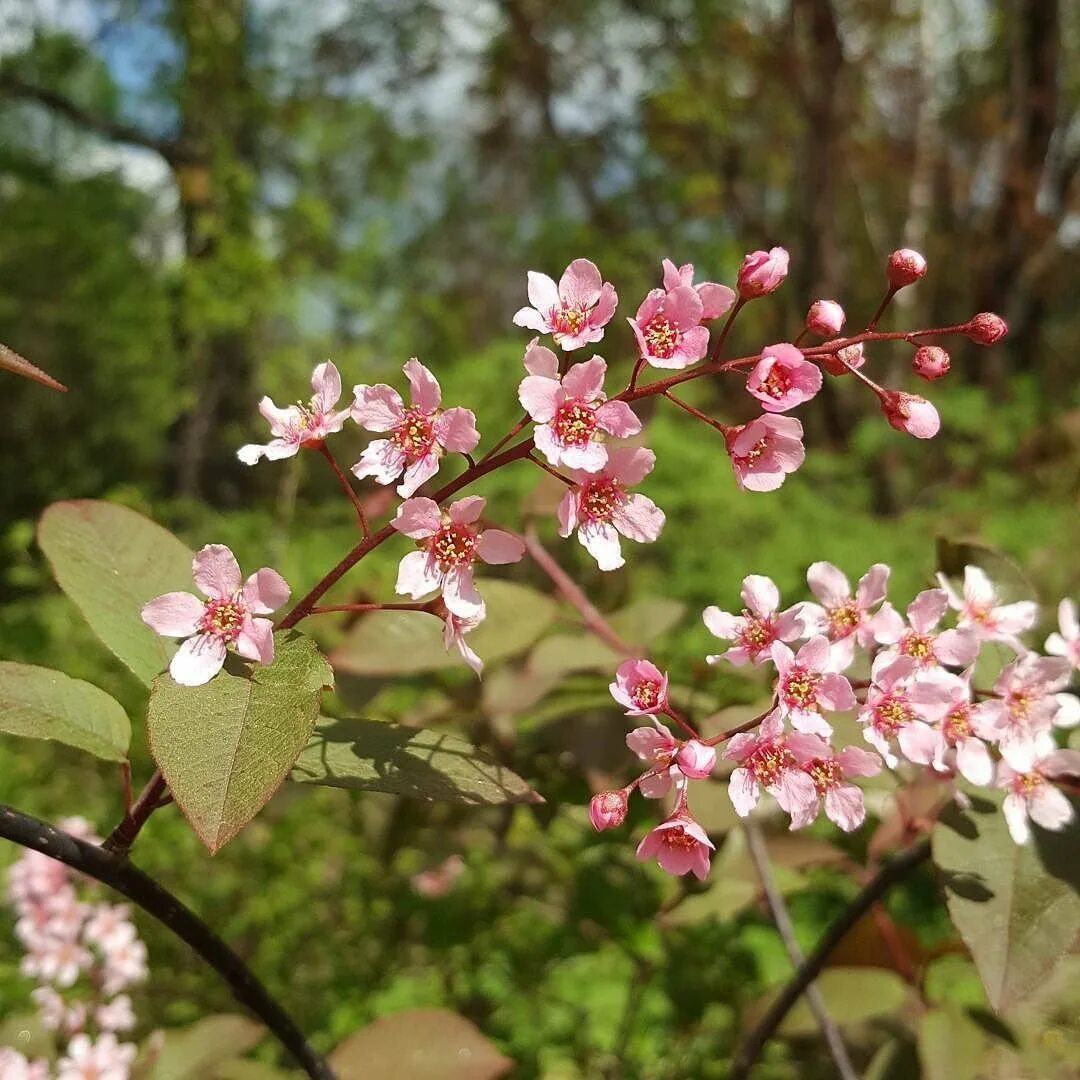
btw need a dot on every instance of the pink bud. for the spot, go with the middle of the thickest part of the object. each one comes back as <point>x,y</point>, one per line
<point>986,328</point>
<point>852,355</point>
<point>696,760</point>
<point>762,272</point>
<point>930,362</point>
<point>825,317</point>
<point>910,413</point>
<point>905,267</point>
<point>607,810</point>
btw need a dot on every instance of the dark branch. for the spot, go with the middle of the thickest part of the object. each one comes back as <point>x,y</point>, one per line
<point>171,150</point>
<point>119,874</point>
<point>891,873</point>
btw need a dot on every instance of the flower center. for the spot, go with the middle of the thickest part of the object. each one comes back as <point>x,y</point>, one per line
<point>223,618</point>
<point>679,838</point>
<point>600,498</point>
<point>843,620</point>
<point>661,336</point>
<point>892,713</point>
<point>646,694</point>
<point>1019,703</point>
<point>574,423</point>
<point>769,761</point>
<point>918,646</point>
<point>568,320</point>
<point>957,725</point>
<point>757,634</point>
<point>453,547</point>
<point>825,772</point>
<point>800,688</point>
<point>415,435</point>
<point>1026,783</point>
<point>777,383</point>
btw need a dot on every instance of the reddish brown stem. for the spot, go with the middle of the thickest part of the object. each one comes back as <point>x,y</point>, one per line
<point>698,414</point>
<point>890,292</point>
<point>748,726</point>
<point>671,714</point>
<point>552,472</point>
<point>347,487</point>
<point>506,438</point>
<point>718,347</point>
<point>125,782</point>
<point>636,372</point>
<point>119,841</point>
<point>425,606</point>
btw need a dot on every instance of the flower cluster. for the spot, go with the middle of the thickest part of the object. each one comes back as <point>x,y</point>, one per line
<point>84,955</point>
<point>918,707</point>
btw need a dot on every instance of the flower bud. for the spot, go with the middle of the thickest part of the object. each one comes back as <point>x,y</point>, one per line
<point>986,328</point>
<point>696,760</point>
<point>607,810</point>
<point>930,362</point>
<point>851,355</point>
<point>910,413</point>
<point>825,317</point>
<point>762,272</point>
<point>905,267</point>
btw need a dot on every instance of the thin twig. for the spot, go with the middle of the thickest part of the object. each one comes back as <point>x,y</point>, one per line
<point>759,853</point>
<point>116,872</point>
<point>890,874</point>
<point>697,413</point>
<point>422,606</point>
<point>890,292</point>
<point>347,487</point>
<point>632,384</point>
<point>125,783</point>
<point>506,438</point>
<point>718,347</point>
<point>119,841</point>
<point>552,472</point>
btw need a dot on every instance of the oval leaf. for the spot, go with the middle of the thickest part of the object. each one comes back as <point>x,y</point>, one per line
<point>1016,905</point>
<point>409,642</point>
<point>225,747</point>
<point>419,1044</point>
<point>110,560</point>
<point>368,755</point>
<point>951,1045</point>
<point>39,703</point>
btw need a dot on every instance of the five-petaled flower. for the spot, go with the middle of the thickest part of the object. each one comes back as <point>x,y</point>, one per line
<point>228,618</point>
<point>450,542</point>
<point>760,624</point>
<point>919,638</point>
<point>783,378</point>
<point>980,610</point>
<point>807,683</point>
<point>762,272</point>
<point>575,311</point>
<point>668,328</point>
<point>764,451</point>
<point>828,770</point>
<point>889,712</point>
<point>640,687</point>
<point>1032,794</point>
<point>846,620</point>
<point>679,845</point>
<point>418,435</point>
<point>715,299</point>
<point>300,425</point>
<point>572,414</point>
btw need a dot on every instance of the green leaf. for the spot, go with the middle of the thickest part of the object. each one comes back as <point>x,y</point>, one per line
<point>192,1053</point>
<point>1016,905</point>
<point>110,560</point>
<point>410,642</point>
<point>564,654</point>
<point>1010,579</point>
<point>225,747</point>
<point>852,996</point>
<point>643,621</point>
<point>367,755</point>
<point>39,703</point>
<point>951,1045</point>
<point>26,1033</point>
<point>419,1044</point>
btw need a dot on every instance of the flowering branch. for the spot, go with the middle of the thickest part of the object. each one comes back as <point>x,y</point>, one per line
<point>343,480</point>
<point>119,841</point>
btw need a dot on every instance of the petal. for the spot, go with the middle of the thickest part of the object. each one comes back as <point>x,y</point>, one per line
<point>858,762</point>
<point>682,306</point>
<point>927,609</point>
<point>496,547</point>
<point>835,693</point>
<point>531,319</point>
<point>978,588</point>
<point>656,786</point>
<point>829,584</point>
<point>326,382</point>
<point>844,805</point>
<point>814,655</point>
<point>585,380</point>
<point>743,791</point>
<point>760,594</point>
<point>639,518</point>
<point>418,518</point>
<point>198,660</point>
<point>541,361</point>
<point>456,430</point>
<point>957,648</point>
<point>715,299</point>
<point>618,419</point>
<point>460,595</point>
<point>592,457</point>
<point>630,464</point>
<point>674,276</point>
<point>256,641</point>
<point>566,513</point>
<point>580,284</point>
<point>466,511</point>
<point>281,421</point>
<point>378,407</point>
<point>1016,817</point>
<point>872,586</point>
<point>921,743</point>
<point>417,576</point>
<point>216,571</point>
<point>813,723</point>
<point>973,761</point>
<point>265,591</point>
<point>887,625</point>
<point>417,474</point>
<point>539,397</point>
<point>602,543</point>
<point>605,308</point>
<point>722,624</point>
<point>175,614</point>
<point>1016,618</point>
<point>1049,808</point>
<point>426,392</point>
<point>543,293</point>
<point>381,460</point>
<point>807,747</point>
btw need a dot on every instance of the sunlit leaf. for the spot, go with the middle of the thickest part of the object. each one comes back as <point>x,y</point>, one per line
<point>950,1045</point>
<point>110,560</point>
<point>225,747</point>
<point>39,703</point>
<point>368,755</point>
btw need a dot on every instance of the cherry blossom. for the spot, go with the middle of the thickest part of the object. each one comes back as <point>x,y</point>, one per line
<point>889,711</point>
<point>13,1066</point>
<point>762,272</point>
<point>115,1015</point>
<point>103,1059</point>
<point>228,618</point>
<point>845,360</point>
<point>766,762</point>
<point>757,627</point>
<point>575,311</point>
<point>439,880</point>
<point>808,683</point>
<point>300,425</point>
<point>450,542</point>
<point>419,434</point>
<point>828,769</point>
<point>930,362</point>
<point>715,299</point>
<point>454,630</point>
<point>1032,794</point>
<point>986,328</point>
<point>959,727</point>
<point>825,317</point>
<point>918,639</point>
<point>607,810</point>
<point>601,509</point>
<point>640,687</point>
<point>910,413</point>
<point>980,610</point>
<point>905,267</point>
<point>696,760</point>
<point>783,378</point>
<point>764,451</point>
<point>668,328</point>
<point>1066,641</point>
<point>845,619</point>
<point>572,414</point>
<point>657,747</point>
<point>679,846</point>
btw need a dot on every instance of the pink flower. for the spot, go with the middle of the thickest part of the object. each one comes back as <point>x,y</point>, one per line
<point>760,624</point>
<point>454,630</point>
<point>762,272</point>
<point>715,299</point>
<point>827,769</point>
<point>13,1066</point>
<point>640,687</point>
<point>300,425</point>
<point>607,810</point>
<point>56,960</point>
<point>696,760</point>
<point>449,545</point>
<point>905,267</point>
<point>667,328</point>
<point>572,414</point>
<point>1031,794</point>
<point>227,618</point>
<point>843,360</point>
<point>986,328</point>
<point>125,965</point>
<point>575,311</point>
<point>825,317</point>
<point>959,727</point>
<point>807,684</point>
<point>105,1059</point>
<point>765,761</point>
<point>980,611</point>
<point>109,927</point>
<point>783,378</point>
<point>930,362</point>
<point>439,880</point>
<point>957,648</point>
<point>601,508</point>
<point>679,845</point>
<point>910,413</point>
<point>764,451</point>
<point>115,1015</point>
<point>419,435</point>
<point>846,620</point>
<point>889,710</point>
<point>1067,642</point>
<point>657,747</point>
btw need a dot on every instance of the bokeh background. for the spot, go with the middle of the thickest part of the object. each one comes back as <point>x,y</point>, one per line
<point>201,199</point>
